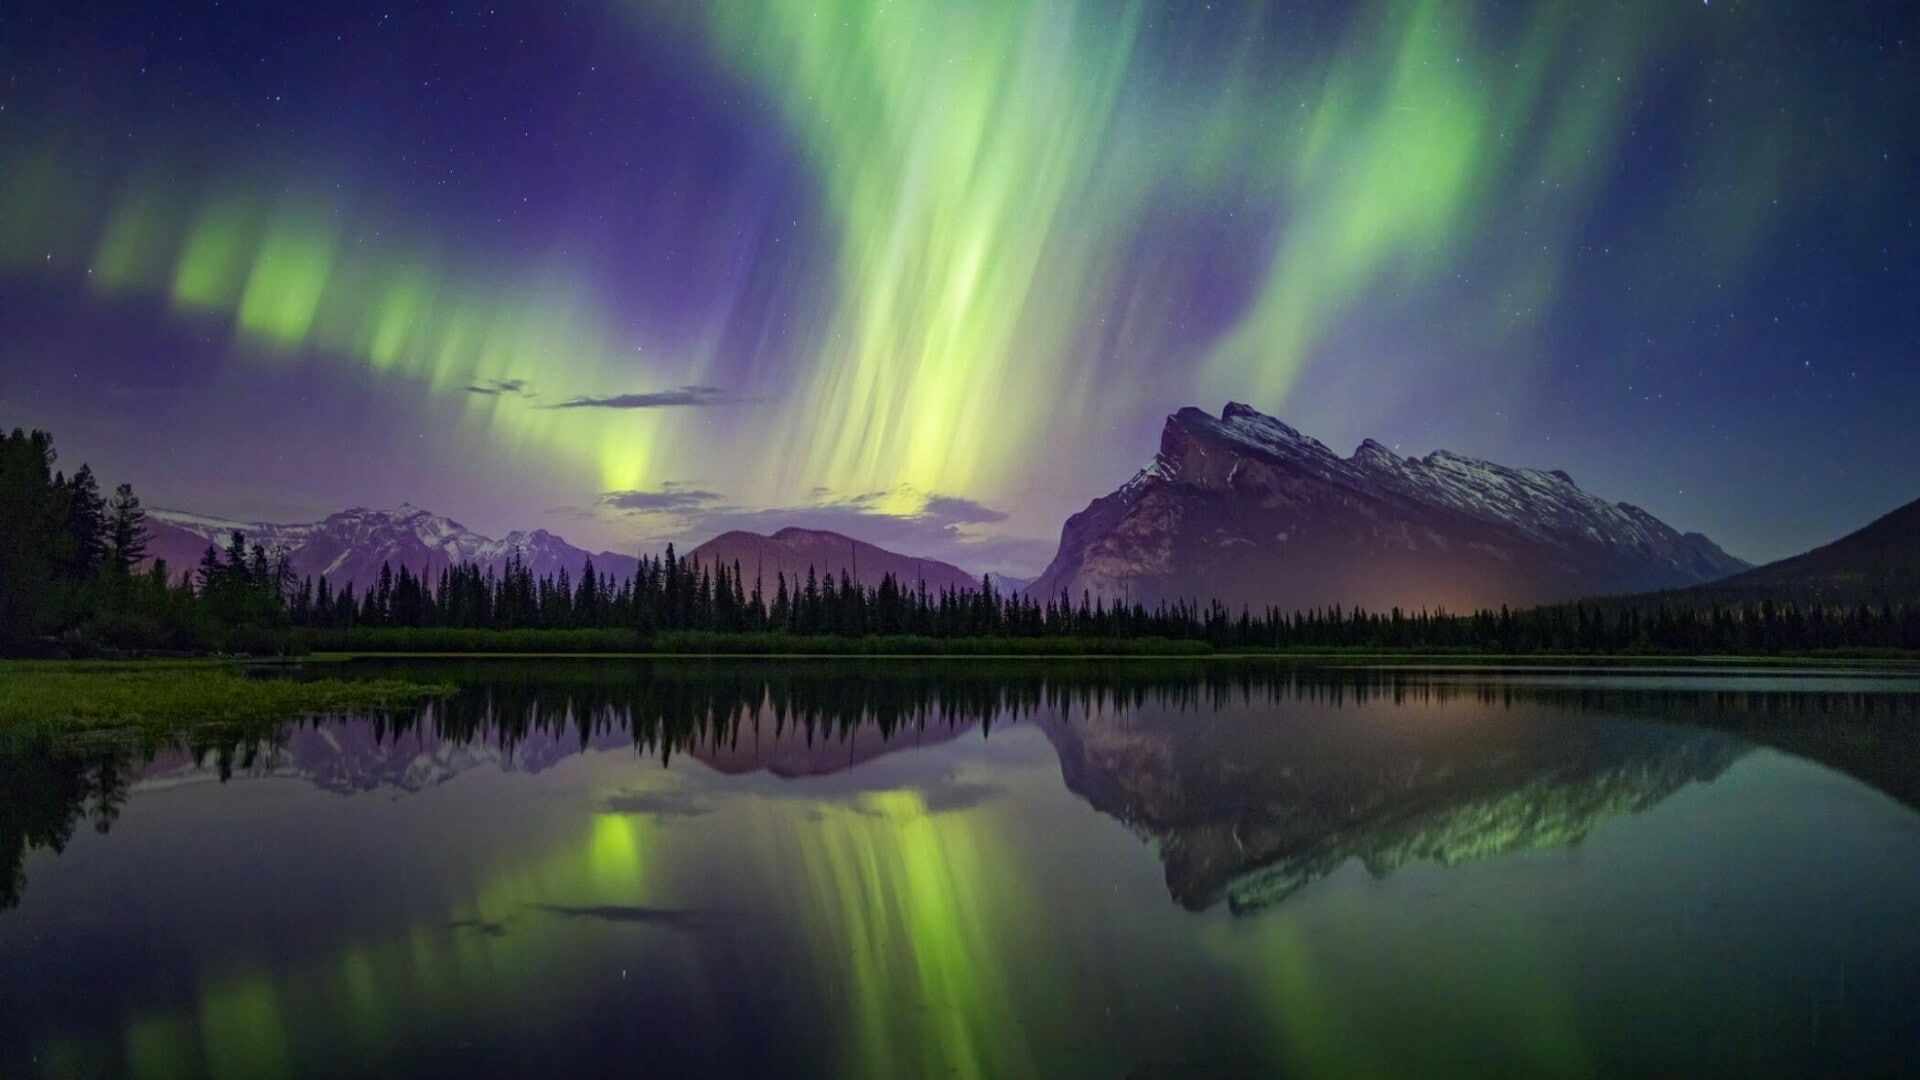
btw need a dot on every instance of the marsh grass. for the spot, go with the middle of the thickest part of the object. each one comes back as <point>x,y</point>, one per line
<point>79,696</point>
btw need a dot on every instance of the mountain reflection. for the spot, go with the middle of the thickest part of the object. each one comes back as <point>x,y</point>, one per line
<point>1252,781</point>
<point>1250,809</point>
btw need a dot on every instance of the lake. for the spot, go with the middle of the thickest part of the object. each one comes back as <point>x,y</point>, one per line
<point>996,869</point>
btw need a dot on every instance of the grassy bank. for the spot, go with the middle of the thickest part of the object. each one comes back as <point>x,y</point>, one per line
<point>171,694</point>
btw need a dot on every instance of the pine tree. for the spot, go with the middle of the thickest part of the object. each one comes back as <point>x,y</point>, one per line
<point>86,524</point>
<point>33,533</point>
<point>127,532</point>
<point>236,569</point>
<point>212,572</point>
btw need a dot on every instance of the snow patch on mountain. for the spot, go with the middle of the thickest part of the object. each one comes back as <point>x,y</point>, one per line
<point>1245,508</point>
<point>354,544</point>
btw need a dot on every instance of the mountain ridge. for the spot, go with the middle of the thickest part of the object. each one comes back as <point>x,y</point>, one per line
<point>1245,508</point>
<point>352,545</point>
<point>1239,507</point>
<point>1878,563</point>
<point>794,550</point>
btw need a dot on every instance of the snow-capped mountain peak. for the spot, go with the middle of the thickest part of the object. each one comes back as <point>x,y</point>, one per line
<point>352,545</point>
<point>1247,509</point>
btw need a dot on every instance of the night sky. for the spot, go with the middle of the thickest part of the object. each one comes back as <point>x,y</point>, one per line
<point>932,272</point>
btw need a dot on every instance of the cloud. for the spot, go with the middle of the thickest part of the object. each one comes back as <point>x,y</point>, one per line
<point>950,794</point>
<point>633,914</point>
<point>962,511</point>
<point>479,926</point>
<point>945,527</point>
<point>683,397</point>
<point>655,804</point>
<point>671,498</point>
<point>680,397</point>
<point>499,387</point>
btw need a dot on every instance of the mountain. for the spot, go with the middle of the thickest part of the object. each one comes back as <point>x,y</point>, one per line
<point>1878,564</point>
<point>1245,509</point>
<point>353,544</point>
<point>1007,583</point>
<point>350,755</point>
<point>1248,811</point>
<point>792,551</point>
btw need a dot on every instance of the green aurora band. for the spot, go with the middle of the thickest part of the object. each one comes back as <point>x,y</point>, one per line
<point>985,172</point>
<point>985,175</point>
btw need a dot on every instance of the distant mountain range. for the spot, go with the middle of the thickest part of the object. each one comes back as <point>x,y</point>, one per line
<point>350,755</point>
<point>792,551</point>
<point>1243,508</point>
<point>1239,507</point>
<point>1879,564</point>
<point>352,545</point>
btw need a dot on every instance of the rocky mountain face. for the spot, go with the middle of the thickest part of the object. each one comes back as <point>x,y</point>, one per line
<point>1245,509</point>
<point>792,551</point>
<point>352,545</point>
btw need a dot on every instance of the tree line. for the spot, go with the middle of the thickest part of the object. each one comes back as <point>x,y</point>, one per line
<point>670,594</point>
<point>72,574</point>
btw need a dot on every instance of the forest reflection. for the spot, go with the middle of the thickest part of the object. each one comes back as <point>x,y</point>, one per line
<point>1253,779</point>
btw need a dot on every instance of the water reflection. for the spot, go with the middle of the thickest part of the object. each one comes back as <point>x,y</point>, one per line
<point>1251,812</point>
<point>46,789</point>
<point>1253,780</point>
<point>976,869</point>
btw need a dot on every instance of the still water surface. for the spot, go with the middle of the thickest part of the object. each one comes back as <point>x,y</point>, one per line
<point>983,869</point>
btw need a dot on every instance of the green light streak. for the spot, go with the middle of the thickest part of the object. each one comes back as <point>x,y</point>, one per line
<point>910,920</point>
<point>163,1048</point>
<point>139,235</point>
<point>1376,185</point>
<point>300,277</point>
<point>213,265</point>
<point>984,165</point>
<point>991,178</point>
<point>288,276</point>
<point>242,1029</point>
<point>1426,138</point>
<point>951,146</point>
<point>402,305</point>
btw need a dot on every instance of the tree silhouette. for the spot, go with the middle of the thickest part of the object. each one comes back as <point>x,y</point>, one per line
<point>127,531</point>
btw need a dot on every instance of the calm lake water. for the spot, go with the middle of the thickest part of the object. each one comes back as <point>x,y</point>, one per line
<point>908,868</point>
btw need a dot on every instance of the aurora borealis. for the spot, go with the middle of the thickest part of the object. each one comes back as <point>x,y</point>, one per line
<point>641,269</point>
